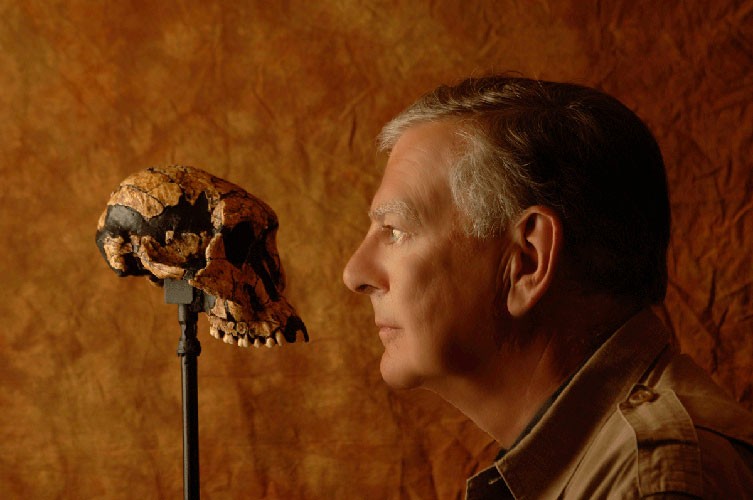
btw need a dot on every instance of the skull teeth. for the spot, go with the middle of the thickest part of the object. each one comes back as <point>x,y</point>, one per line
<point>264,329</point>
<point>240,333</point>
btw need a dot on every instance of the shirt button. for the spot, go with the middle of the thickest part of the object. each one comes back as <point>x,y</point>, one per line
<point>641,395</point>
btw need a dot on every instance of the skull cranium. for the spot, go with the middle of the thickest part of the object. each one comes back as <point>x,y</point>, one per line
<point>182,223</point>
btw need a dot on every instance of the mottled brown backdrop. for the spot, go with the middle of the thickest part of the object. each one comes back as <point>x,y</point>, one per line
<point>285,98</point>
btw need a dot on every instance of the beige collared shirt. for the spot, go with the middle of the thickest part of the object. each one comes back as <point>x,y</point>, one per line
<point>637,420</point>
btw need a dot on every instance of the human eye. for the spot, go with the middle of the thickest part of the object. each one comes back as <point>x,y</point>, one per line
<point>394,235</point>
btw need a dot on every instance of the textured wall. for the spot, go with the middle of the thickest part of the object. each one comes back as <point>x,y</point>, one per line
<point>284,98</point>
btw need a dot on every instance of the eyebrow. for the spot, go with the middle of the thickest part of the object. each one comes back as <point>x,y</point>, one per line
<point>398,207</point>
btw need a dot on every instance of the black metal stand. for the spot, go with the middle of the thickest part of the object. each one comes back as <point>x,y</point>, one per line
<point>189,349</point>
<point>190,301</point>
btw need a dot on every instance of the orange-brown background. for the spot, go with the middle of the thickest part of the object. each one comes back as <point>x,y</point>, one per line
<point>284,98</point>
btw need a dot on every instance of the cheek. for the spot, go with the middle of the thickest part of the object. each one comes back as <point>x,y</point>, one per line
<point>430,287</point>
<point>446,286</point>
<point>471,305</point>
<point>480,267</point>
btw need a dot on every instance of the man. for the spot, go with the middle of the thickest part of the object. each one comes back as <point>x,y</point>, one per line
<point>517,242</point>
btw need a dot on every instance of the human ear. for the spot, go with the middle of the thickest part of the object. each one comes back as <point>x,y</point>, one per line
<point>535,246</point>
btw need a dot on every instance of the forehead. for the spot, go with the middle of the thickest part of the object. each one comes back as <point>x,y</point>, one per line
<point>416,179</point>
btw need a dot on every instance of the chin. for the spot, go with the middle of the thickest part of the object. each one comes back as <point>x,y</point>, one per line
<point>396,376</point>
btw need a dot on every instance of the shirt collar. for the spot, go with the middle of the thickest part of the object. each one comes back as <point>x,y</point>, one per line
<point>535,420</point>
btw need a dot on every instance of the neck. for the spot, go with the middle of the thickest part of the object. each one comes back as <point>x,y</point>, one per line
<point>503,394</point>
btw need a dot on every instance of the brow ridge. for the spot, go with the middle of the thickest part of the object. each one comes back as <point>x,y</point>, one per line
<point>399,207</point>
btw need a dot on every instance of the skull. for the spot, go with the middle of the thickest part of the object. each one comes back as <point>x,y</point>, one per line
<point>182,223</point>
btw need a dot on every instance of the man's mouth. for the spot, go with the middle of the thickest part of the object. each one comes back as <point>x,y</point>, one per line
<point>387,333</point>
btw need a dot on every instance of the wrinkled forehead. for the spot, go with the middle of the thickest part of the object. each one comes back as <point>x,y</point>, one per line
<point>416,180</point>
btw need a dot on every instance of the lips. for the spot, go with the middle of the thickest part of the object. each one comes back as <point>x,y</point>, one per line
<point>386,325</point>
<point>387,332</point>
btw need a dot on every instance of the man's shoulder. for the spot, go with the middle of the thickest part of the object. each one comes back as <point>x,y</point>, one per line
<point>681,434</point>
<point>709,406</point>
<point>637,419</point>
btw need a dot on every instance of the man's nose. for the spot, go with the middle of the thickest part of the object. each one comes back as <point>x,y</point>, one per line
<point>359,273</point>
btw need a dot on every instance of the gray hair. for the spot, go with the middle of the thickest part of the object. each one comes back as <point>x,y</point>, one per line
<point>487,184</point>
<point>572,148</point>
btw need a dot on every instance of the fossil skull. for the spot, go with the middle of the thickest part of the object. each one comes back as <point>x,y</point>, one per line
<point>182,223</point>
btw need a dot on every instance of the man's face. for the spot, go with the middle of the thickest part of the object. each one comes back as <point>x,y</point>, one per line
<point>433,288</point>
